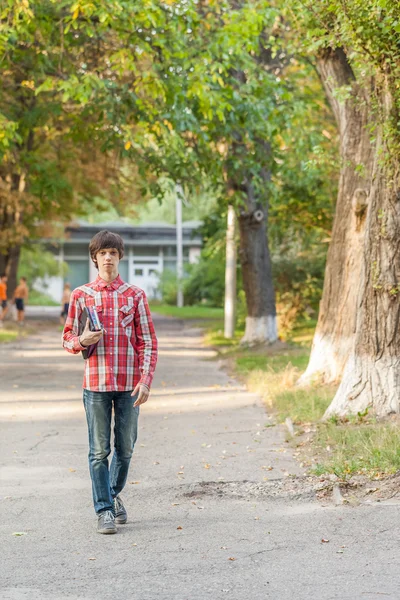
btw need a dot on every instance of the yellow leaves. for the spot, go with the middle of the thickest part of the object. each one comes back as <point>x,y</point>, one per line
<point>127,145</point>
<point>168,124</point>
<point>28,84</point>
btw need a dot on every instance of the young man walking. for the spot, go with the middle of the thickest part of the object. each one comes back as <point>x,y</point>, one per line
<point>119,370</point>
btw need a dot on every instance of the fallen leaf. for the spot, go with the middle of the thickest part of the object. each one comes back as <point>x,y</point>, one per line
<point>72,470</point>
<point>324,541</point>
<point>18,533</point>
<point>207,466</point>
<point>92,558</point>
<point>134,482</point>
<point>224,547</point>
<point>179,527</point>
<point>175,504</point>
<point>156,462</point>
<point>231,558</point>
<point>134,544</point>
<point>181,473</point>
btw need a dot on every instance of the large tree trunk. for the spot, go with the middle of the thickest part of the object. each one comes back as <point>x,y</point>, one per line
<point>9,266</point>
<point>335,332</point>
<point>255,260</point>
<point>12,231</point>
<point>372,374</point>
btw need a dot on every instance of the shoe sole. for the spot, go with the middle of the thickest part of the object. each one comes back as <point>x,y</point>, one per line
<point>121,520</point>
<point>107,531</point>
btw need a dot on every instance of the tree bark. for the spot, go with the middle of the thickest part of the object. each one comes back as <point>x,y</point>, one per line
<point>10,225</point>
<point>261,326</point>
<point>335,333</point>
<point>372,374</point>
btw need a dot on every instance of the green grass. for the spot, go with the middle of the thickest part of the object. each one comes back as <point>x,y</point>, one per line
<point>7,335</point>
<point>275,362</point>
<point>371,448</point>
<point>188,312</point>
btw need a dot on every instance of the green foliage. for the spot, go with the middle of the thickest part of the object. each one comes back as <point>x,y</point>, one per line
<point>36,263</point>
<point>168,286</point>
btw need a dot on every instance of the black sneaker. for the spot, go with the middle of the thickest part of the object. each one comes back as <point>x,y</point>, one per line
<point>121,516</point>
<point>106,522</point>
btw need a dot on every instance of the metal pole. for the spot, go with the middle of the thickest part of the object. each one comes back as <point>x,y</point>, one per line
<point>179,249</point>
<point>230,275</point>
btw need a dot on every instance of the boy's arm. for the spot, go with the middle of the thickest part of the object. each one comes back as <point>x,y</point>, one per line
<point>71,333</point>
<point>146,342</point>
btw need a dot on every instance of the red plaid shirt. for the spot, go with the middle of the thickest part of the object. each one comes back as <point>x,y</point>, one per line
<point>127,352</point>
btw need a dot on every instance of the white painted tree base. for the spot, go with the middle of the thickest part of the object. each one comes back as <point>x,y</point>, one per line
<point>327,360</point>
<point>260,330</point>
<point>368,383</point>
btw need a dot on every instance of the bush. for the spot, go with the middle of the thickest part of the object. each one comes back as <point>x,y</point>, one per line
<point>168,286</point>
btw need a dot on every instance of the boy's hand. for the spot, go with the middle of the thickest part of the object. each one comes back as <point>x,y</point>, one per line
<point>89,337</point>
<point>143,394</point>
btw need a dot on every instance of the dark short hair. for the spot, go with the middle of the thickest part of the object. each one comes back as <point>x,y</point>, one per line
<point>105,239</point>
<point>23,278</point>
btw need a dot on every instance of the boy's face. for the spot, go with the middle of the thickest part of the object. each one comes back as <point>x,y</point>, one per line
<point>4,279</point>
<point>108,260</point>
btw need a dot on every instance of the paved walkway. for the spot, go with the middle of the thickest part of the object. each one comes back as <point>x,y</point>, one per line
<point>200,525</point>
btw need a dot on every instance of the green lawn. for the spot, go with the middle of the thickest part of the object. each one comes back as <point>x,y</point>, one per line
<point>188,312</point>
<point>7,335</point>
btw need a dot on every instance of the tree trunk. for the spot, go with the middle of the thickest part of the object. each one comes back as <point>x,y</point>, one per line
<point>335,333</point>
<point>372,374</point>
<point>10,226</point>
<point>9,266</point>
<point>255,259</point>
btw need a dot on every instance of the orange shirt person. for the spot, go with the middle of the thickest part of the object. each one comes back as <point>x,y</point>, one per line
<point>3,297</point>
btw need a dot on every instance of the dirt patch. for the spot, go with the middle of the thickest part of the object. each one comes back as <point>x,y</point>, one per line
<point>329,489</point>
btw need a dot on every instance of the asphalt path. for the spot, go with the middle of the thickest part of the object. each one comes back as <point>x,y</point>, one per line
<point>201,523</point>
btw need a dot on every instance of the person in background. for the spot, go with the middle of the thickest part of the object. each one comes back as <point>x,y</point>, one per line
<point>3,298</point>
<point>20,296</point>
<point>65,302</point>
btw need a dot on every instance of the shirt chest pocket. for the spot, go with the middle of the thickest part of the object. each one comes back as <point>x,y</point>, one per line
<point>126,315</point>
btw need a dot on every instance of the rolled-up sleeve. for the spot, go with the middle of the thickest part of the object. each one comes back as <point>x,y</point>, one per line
<point>70,336</point>
<point>146,344</point>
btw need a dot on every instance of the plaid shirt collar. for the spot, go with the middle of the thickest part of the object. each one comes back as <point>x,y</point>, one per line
<point>100,284</point>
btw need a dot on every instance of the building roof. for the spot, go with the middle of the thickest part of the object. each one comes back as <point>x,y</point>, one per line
<point>145,234</point>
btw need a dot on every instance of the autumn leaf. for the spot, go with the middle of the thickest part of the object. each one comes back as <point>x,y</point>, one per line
<point>179,527</point>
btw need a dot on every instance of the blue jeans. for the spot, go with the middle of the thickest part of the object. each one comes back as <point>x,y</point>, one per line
<point>108,483</point>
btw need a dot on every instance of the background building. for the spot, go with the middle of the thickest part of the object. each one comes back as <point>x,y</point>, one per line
<point>150,249</point>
